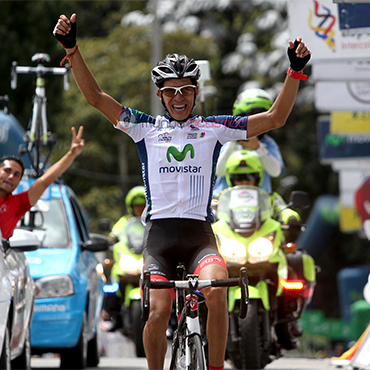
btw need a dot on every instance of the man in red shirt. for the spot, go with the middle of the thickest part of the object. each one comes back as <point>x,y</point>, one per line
<point>13,207</point>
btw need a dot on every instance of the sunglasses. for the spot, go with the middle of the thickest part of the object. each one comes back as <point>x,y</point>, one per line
<point>183,90</point>
<point>250,177</point>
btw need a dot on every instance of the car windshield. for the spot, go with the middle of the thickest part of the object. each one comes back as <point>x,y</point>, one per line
<point>49,223</point>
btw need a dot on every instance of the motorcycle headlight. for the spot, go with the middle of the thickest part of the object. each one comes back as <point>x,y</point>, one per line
<point>130,265</point>
<point>54,286</point>
<point>233,251</point>
<point>259,250</point>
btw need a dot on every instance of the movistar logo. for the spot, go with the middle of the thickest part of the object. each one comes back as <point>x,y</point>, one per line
<point>180,156</point>
<point>335,140</point>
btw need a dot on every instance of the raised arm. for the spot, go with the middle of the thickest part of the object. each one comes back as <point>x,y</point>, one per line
<point>277,115</point>
<point>57,169</point>
<point>65,32</point>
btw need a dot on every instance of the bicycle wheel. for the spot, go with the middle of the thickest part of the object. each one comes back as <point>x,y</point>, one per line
<point>196,353</point>
<point>178,356</point>
<point>197,360</point>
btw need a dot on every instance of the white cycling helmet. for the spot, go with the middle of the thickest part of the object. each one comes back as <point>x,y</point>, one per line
<point>175,66</point>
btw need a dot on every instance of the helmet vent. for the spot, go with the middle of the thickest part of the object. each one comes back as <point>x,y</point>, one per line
<point>243,164</point>
<point>175,66</point>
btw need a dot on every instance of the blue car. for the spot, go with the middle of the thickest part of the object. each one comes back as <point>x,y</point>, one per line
<point>68,277</point>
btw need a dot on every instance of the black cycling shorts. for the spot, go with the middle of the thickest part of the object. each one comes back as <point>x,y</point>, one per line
<point>170,241</point>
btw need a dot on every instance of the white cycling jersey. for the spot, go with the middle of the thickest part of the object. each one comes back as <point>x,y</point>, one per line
<point>178,161</point>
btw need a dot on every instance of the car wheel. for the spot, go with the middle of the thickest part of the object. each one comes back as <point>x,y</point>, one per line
<point>5,353</point>
<point>76,357</point>
<point>24,360</point>
<point>93,353</point>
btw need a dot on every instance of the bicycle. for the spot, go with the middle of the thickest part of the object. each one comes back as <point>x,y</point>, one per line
<point>38,137</point>
<point>188,350</point>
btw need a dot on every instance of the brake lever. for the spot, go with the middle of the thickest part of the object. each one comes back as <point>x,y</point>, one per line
<point>243,282</point>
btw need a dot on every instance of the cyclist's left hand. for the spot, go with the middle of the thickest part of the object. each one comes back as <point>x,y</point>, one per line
<point>77,142</point>
<point>298,54</point>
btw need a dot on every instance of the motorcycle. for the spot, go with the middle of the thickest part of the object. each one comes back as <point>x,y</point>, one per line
<point>281,279</point>
<point>123,299</point>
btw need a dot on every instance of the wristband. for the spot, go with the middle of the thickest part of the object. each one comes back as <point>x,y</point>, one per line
<point>68,57</point>
<point>296,75</point>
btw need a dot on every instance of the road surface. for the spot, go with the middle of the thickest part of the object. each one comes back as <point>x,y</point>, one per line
<point>120,355</point>
<point>124,363</point>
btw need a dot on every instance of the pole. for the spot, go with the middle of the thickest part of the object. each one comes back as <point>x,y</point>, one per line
<point>155,104</point>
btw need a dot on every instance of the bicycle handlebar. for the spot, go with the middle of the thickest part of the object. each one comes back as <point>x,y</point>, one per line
<point>40,71</point>
<point>242,281</point>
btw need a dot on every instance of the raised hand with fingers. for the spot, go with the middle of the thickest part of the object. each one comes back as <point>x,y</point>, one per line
<point>298,54</point>
<point>77,142</point>
<point>65,31</point>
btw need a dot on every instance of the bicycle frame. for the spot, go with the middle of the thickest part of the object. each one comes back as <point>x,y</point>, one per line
<point>188,326</point>
<point>187,338</point>
<point>38,135</point>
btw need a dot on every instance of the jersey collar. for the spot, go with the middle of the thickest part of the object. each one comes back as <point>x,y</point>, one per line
<point>166,115</point>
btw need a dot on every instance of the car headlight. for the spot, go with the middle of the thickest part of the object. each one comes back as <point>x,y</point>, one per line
<point>130,265</point>
<point>54,286</point>
<point>259,250</point>
<point>233,251</point>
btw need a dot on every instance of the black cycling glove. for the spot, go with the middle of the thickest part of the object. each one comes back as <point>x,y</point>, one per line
<point>297,64</point>
<point>69,40</point>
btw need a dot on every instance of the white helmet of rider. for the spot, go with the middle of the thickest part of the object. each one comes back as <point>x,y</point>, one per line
<point>175,66</point>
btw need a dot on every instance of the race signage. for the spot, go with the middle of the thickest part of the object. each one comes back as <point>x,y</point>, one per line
<point>332,31</point>
<point>341,146</point>
<point>350,123</point>
<point>342,96</point>
<point>355,71</point>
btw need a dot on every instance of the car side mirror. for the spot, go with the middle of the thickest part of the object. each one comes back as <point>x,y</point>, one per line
<point>96,243</point>
<point>23,241</point>
<point>104,225</point>
<point>299,199</point>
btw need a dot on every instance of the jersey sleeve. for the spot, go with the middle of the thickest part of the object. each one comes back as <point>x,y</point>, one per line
<point>134,123</point>
<point>228,128</point>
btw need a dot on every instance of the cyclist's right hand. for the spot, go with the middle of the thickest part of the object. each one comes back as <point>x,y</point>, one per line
<point>65,31</point>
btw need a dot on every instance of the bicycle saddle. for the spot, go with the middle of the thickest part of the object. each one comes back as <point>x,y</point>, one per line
<point>41,58</point>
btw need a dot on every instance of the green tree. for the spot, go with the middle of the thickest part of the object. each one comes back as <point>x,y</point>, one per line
<point>26,29</point>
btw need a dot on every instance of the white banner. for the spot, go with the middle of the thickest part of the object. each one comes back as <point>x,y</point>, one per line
<point>331,31</point>
<point>342,96</point>
<point>341,71</point>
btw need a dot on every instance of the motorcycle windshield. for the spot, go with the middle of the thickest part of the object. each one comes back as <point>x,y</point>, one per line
<point>135,235</point>
<point>244,207</point>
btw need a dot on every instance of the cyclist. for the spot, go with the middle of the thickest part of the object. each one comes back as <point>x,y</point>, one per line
<point>248,102</point>
<point>13,207</point>
<point>244,167</point>
<point>135,204</point>
<point>178,153</point>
